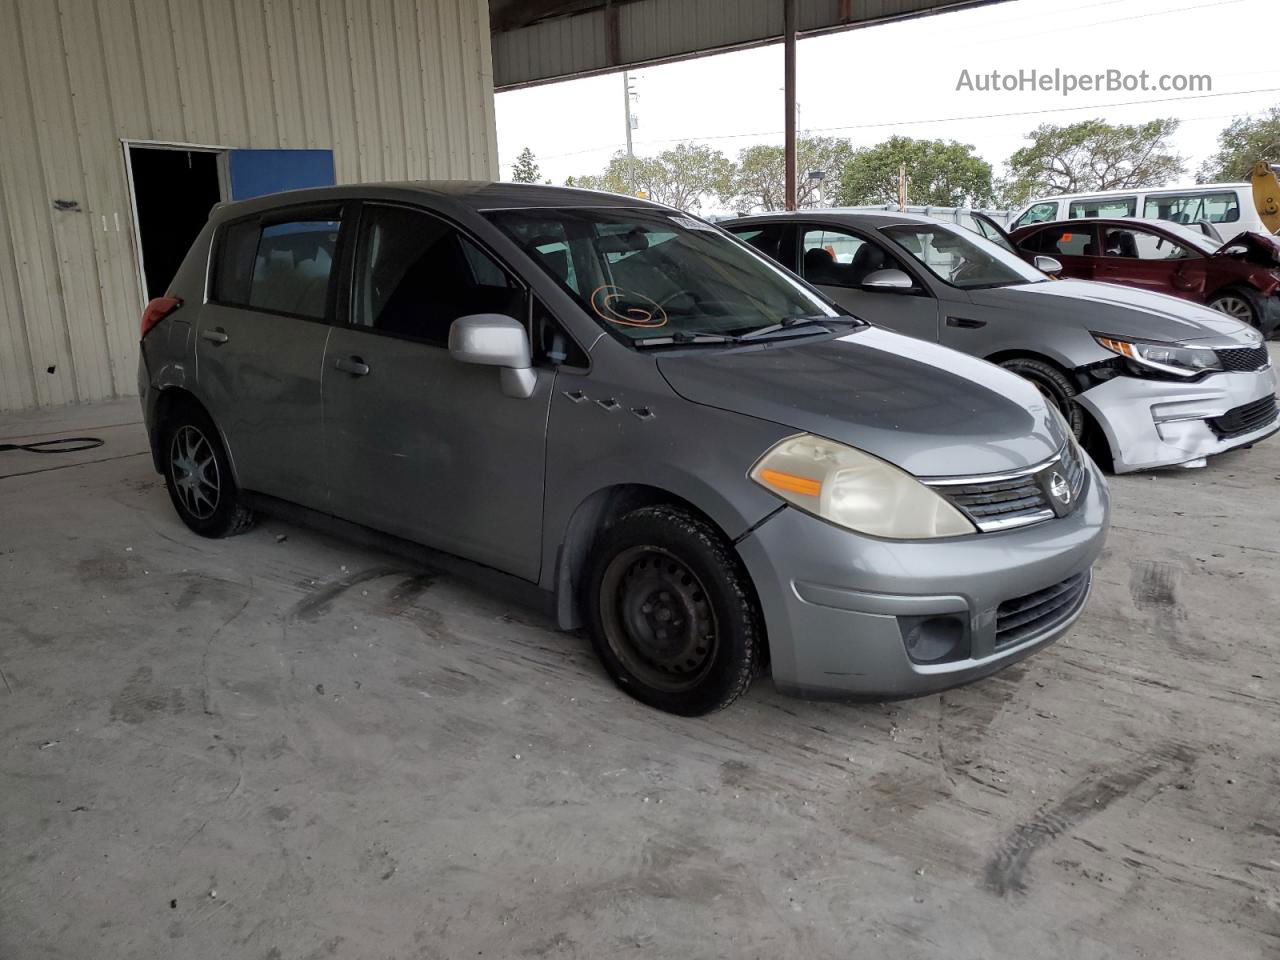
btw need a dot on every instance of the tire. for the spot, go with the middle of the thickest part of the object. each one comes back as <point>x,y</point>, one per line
<point>662,570</point>
<point>197,474</point>
<point>1056,387</point>
<point>1243,305</point>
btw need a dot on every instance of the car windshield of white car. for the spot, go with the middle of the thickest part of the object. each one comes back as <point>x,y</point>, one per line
<point>962,258</point>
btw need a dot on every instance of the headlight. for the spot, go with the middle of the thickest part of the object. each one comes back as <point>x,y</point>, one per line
<point>856,490</point>
<point>1166,357</point>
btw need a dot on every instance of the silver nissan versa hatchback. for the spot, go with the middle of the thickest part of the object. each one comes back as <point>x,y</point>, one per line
<point>693,454</point>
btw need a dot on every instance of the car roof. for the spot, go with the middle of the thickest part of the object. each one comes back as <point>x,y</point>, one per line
<point>1105,221</point>
<point>870,218</point>
<point>1130,191</point>
<point>478,195</point>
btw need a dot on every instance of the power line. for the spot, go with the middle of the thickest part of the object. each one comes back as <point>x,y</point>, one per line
<point>1103,23</point>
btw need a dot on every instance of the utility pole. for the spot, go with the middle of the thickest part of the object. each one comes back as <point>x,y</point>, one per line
<point>789,98</point>
<point>627,94</point>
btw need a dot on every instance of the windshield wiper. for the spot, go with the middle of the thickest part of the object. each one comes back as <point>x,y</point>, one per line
<point>790,323</point>
<point>681,338</point>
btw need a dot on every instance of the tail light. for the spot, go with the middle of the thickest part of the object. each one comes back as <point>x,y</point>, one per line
<point>157,310</point>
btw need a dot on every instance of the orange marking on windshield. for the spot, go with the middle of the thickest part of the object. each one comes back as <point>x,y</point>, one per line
<point>604,297</point>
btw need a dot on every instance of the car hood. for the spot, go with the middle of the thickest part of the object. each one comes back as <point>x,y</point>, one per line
<point>925,408</point>
<point>1121,311</point>
<point>1259,248</point>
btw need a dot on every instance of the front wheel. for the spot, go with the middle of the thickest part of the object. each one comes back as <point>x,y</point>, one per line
<point>672,613</point>
<point>1054,385</point>
<point>1242,305</point>
<point>197,474</point>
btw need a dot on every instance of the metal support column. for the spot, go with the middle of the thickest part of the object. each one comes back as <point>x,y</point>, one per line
<point>789,96</point>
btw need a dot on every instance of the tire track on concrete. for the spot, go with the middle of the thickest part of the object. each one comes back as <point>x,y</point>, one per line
<point>1006,872</point>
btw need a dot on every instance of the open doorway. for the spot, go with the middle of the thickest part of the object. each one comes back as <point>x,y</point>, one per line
<point>174,188</point>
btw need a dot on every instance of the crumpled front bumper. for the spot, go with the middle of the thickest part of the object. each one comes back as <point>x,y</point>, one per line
<point>1161,423</point>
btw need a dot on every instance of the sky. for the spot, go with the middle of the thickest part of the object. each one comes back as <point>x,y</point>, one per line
<point>901,78</point>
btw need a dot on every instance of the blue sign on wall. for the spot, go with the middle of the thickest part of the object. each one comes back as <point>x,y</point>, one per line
<point>257,172</point>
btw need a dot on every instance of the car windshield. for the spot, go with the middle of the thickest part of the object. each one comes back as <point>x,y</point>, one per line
<point>1192,237</point>
<point>962,258</point>
<point>647,274</point>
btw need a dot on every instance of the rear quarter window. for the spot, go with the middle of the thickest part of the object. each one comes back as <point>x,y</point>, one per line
<point>283,267</point>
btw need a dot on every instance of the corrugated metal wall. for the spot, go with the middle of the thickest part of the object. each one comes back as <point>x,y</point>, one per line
<point>398,89</point>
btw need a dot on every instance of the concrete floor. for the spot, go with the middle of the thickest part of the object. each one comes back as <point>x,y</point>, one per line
<point>281,746</point>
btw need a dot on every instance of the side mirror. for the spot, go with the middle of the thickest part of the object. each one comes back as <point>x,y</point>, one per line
<point>1047,264</point>
<point>888,280</point>
<point>496,340</point>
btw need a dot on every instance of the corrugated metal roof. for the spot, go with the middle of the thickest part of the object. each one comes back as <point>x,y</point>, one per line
<point>538,42</point>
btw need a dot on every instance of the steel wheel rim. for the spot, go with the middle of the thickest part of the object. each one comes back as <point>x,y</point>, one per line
<point>193,467</point>
<point>1235,307</point>
<point>658,619</point>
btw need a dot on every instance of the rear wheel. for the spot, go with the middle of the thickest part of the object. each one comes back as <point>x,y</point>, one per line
<point>1056,387</point>
<point>197,474</point>
<point>1243,305</point>
<point>672,613</point>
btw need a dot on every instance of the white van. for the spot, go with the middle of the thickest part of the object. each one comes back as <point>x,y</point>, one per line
<point>1227,208</point>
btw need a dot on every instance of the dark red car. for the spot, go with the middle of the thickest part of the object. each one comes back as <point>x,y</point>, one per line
<point>1240,278</point>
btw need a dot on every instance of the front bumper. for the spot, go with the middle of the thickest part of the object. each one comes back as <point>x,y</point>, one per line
<point>838,606</point>
<point>1160,423</point>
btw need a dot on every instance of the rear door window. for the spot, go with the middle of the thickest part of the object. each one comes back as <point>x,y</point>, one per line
<point>768,239</point>
<point>1107,207</point>
<point>1039,213</point>
<point>1069,242</point>
<point>416,274</point>
<point>1193,207</point>
<point>282,267</point>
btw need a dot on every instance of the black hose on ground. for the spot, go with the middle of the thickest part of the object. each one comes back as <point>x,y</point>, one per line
<point>61,445</point>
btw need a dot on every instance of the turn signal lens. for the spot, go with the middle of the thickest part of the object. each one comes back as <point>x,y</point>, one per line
<point>789,483</point>
<point>856,490</point>
<point>157,310</point>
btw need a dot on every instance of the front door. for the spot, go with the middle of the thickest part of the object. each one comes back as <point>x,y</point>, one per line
<point>837,261</point>
<point>421,445</point>
<point>1150,260</point>
<point>260,344</point>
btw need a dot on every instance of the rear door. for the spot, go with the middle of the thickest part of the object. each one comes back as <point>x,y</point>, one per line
<point>837,261</point>
<point>260,344</point>
<point>421,445</point>
<point>1075,246</point>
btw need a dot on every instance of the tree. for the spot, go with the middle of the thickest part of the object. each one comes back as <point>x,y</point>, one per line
<point>1090,156</point>
<point>942,174</point>
<point>760,181</point>
<point>1241,145</point>
<point>525,169</point>
<point>680,177</point>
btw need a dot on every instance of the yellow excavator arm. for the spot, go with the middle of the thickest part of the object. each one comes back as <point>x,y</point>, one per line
<point>1266,195</point>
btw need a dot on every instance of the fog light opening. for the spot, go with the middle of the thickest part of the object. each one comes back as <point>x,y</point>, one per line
<point>935,639</point>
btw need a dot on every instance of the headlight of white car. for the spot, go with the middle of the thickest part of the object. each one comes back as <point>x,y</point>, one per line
<point>856,490</point>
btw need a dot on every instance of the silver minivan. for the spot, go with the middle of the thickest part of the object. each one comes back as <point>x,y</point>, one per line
<point>689,451</point>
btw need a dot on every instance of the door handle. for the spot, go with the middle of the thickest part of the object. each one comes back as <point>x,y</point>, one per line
<point>352,365</point>
<point>965,323</point>
<point>216,337</point>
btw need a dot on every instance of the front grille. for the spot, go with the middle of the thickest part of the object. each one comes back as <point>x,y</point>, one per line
<point>1015,499</point>
<point>1241,420</point>
<point>1244,359</point>
<point>1024,617</point>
